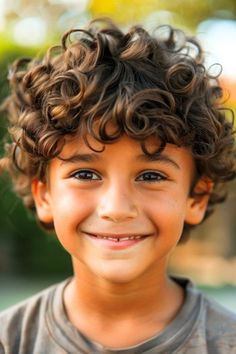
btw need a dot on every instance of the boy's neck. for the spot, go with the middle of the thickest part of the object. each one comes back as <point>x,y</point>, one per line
<point>108,313</point>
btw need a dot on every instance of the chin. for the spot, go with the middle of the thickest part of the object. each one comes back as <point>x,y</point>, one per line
<point>118,279</point>
<point>118,274</point>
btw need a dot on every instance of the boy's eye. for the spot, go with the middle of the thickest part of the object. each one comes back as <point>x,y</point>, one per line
<point>147,176</point>
<point>152,177</point>
<point>85,175</point>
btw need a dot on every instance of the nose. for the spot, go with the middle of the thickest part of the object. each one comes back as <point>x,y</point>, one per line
<point>117,205</point>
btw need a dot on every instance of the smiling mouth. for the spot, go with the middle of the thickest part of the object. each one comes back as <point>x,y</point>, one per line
<point>118,238</point>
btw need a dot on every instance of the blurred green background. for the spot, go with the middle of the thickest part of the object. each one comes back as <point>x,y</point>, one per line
<point>31,259</point>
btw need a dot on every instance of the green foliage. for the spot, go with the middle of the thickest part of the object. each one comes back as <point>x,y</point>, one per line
<point>24,246</point>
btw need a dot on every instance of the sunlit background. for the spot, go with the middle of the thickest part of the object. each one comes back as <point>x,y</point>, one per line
<point>30,259</point>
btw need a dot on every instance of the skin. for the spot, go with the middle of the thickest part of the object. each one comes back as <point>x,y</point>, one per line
<point>116,196</point>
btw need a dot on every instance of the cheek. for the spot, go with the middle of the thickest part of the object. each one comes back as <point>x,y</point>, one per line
<point>167,214</point>
<point>70,208</point>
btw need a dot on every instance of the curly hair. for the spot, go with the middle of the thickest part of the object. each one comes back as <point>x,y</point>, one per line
<point>146,84</point>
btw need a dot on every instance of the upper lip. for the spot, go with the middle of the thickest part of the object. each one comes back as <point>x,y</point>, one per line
<point>113,235</point>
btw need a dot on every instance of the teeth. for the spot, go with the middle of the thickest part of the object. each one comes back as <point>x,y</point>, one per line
<point>117,239</point>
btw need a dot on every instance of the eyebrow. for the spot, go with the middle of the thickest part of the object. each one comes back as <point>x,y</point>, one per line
<point>158,158</point>
<point>92,157</point>
<point>80,158</point>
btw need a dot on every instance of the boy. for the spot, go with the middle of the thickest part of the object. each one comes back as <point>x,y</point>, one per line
<point>120,145</point>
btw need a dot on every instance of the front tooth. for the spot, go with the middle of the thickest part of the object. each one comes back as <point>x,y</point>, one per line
<point>120,239</point>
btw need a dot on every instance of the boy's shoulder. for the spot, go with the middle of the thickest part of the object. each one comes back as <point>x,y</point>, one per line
<point>24,325</point>
<point>210,309</point>
<point>220,325</point>
<point>33,304</point>
<point>214,325</point>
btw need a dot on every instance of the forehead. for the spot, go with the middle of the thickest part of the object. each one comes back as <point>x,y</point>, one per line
<point>90,144</point>
<point>77,142</point>
<point>125,150</point>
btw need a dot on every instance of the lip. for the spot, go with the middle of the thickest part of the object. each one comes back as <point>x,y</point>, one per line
<point>118,236</point>
<point>117,243</point>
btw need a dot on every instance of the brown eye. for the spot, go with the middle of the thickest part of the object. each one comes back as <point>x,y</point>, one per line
<point>152,177</point>
<point>85,175</point>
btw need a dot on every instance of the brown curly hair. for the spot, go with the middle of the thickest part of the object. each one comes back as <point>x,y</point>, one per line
<point>147,85</point>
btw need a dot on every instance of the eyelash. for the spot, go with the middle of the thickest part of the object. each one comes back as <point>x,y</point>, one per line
<point>159,177</point>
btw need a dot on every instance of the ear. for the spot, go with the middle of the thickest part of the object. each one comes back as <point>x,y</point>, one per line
<point>197,203</point>
<point>42,201</point>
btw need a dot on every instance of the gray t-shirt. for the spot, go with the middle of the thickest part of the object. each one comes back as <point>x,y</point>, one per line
<point>40,325</point>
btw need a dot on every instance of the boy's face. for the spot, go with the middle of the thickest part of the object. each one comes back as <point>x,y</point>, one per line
<point>119,194</point>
